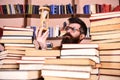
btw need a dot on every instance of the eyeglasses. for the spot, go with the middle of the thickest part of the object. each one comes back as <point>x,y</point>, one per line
<point>72,28</point>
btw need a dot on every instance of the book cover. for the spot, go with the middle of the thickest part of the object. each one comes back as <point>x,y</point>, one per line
<point>104,28</point>
<point>110,58</point>
<point>80,52</point>
<point>82,46</point>
<point>112,72</point>
<point>43,53</point>
<point>109,46</point>
<point>110,65</point>
<point>70,61</point>
<point>20,74</point>
<point>69,74</point>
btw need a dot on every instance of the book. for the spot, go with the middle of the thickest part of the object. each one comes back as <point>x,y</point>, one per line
<point>80,52</point>
<point>105,28</point>
<point>9,66</point>
<point>110,65</point>
<point>94,58</point>
<point>108,58</point>
<point>109,46</point>
<point>69,74</point>
<point>112,72</point>
<point>87,68</point>
<point>23,41</point>
<point>19,45</point>
<point>92,77</point>
<point>35,57</point>
<point>70,61</point>
<point>105,15</point>
<point>105,36</point>
<point>30,61</point>
<point>30,66</point>
<point>15,51</point>
<point>109,52</point>
<point>16,37</point>
<point>17,33</point>
<point>17,28</point>
<point>9,61</point>
<point>105,22</point>
<point>19,48</point>
<point>106,41</point>
<point>43,53</point>
<point>82,45</point>
<point>108,77</point>
<point>20,74</point>
<point>105,32</point>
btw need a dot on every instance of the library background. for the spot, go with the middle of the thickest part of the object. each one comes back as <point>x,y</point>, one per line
<point>96,58</point>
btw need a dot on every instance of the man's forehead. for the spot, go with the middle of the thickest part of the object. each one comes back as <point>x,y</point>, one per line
<point>74,25</point>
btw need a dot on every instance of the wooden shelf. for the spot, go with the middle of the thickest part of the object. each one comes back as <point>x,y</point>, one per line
<point>12,16</point>
<point>83,15</point>
<point>51,16</point>
<point>38,16</point>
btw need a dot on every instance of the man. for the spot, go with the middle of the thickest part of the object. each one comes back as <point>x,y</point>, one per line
<point>75,33</point>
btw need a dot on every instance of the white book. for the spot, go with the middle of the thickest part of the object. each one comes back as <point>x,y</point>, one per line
<point>69,74</point>
<point>19,74</point>
<point>68,67</point>
<point>23,45</point>
<point>82,45</point>
<point>30,66</point>
<point>79,52</point>
<point>94,58</point>
<point>16,37</point>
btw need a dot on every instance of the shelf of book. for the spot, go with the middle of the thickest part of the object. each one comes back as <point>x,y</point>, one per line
<point>38,16</point>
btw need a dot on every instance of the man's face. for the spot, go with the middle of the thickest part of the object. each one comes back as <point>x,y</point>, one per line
<point>72,34</point>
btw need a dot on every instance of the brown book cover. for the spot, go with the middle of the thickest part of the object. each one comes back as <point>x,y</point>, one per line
<point>109,46</point>
<point>107,77</point>
<point>110,65</point>
<point>106,35</point>
<point>43,53</point>
<point>112,72</point>
<point>70,61</point>
<point>109,52</point>
<point>110,58</point>
<point>104,15</point>
<point>104,28</point>
<point>105,22</point>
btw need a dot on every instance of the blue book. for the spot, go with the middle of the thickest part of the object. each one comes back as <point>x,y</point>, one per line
<point>52,9</point>
<point>70,8</point>
<point>86,9</point>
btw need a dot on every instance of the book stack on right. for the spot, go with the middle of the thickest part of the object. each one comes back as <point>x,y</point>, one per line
<point>105,30</point>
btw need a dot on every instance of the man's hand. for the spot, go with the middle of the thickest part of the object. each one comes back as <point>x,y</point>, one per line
<point>41,39</point>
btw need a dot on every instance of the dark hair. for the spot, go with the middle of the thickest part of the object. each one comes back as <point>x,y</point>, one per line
<point>83,28</point>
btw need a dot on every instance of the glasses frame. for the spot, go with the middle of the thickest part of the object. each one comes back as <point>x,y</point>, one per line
<point>72,28</point>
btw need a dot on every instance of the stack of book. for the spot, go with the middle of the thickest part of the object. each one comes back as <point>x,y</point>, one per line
<point>105,30</point>
<point>34,59</point>
<point>16,41</point>
<point>77,61</point>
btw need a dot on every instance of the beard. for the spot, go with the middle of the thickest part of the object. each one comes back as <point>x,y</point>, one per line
<point>68,39</point>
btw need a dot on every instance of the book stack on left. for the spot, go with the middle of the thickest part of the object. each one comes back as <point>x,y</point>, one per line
<point>76,62</point>
<point>105,30</point>
<point>16,41</point>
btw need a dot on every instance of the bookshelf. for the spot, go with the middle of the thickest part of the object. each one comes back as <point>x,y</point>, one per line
<point>27,18</point>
